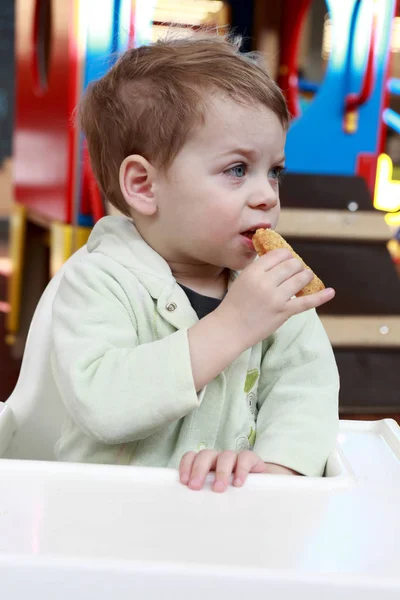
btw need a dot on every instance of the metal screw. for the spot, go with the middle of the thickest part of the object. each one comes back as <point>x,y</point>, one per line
<point>352,206</point>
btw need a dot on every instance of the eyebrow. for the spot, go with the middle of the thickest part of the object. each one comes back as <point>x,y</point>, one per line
<point>248,153</point>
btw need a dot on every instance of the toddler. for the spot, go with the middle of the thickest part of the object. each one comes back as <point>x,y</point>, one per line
<point>173,346</point>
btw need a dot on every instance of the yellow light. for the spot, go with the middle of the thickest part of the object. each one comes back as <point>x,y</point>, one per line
<point>394,249</point>
<point>393,219</point>
<point>387,190</point>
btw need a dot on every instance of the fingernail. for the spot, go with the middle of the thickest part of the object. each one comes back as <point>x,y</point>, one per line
<point>185,478</point>
<point>238,483</point>
<point>195,482</point>
<point>219,486</point>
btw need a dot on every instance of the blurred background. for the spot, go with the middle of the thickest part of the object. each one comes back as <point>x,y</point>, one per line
<point>338,64</point>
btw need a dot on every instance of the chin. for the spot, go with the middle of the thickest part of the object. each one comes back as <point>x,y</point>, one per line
<point>241,263</point>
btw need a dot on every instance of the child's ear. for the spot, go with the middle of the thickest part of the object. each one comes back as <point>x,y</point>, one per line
<point>136,179</point>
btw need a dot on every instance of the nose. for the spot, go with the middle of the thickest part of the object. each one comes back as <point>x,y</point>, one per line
<point>265,197</point>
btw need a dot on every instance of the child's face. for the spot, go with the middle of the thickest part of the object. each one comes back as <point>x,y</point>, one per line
<point>223,182</point>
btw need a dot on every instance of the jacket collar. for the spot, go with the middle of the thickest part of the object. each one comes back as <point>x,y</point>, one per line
<point>117,237</point>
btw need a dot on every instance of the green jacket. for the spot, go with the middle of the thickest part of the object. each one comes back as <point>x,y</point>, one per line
<point>122,365</point>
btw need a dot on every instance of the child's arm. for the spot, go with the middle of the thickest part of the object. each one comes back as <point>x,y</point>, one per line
<point>258,303</point>
<point>298,397</point>
<point>115,389</point>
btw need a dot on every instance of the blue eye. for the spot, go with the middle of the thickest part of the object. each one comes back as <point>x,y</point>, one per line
<point>238,171</point>
<point>277,173</point>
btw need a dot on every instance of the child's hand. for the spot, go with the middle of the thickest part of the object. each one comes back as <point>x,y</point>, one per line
<point>262,297</point>
<point>195,467</point>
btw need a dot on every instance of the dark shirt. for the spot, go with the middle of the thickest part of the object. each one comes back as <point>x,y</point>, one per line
<point>202,305</point>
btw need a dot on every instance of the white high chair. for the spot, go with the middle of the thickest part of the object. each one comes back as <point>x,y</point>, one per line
<point>31,418</point>
<point>72,525</point>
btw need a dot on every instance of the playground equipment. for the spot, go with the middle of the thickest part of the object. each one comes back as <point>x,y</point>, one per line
<point>338,175</point>
<point>60,48</point>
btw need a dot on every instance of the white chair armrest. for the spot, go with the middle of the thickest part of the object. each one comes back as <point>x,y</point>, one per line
<point>8,427</point>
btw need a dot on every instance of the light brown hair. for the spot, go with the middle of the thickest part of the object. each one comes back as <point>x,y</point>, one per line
<point>153,97</point>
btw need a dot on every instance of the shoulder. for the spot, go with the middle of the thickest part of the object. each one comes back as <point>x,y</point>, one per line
<point>94,279</point>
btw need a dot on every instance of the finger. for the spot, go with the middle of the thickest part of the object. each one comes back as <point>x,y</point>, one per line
<point>271,259</point>
<point>185,467</point>
<point>292,286</point>
<point>247,461</point>
<point>299,305</point>
<point>285,270</point>
<point>225,465</point>
<point>204,462</point>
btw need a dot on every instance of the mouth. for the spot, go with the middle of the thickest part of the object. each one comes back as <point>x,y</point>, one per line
<point>250,232</point>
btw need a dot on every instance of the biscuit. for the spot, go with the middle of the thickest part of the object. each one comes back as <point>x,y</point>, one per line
<point>265,240</point>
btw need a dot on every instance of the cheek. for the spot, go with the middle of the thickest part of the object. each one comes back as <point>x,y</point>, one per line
<point>175,204</point>
<point>275,214</point>
<point>211,220</point>
<point>210,205</point>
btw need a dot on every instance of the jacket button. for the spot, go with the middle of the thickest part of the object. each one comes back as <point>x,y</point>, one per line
<point>171,307</point>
